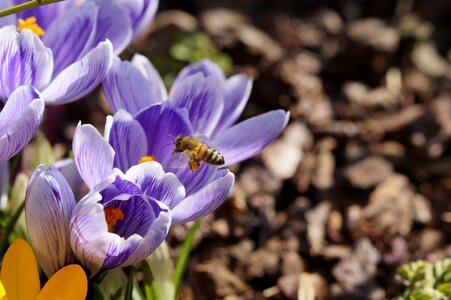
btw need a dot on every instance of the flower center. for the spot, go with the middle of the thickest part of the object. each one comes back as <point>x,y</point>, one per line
<point>147,159</point>
<point>30,23</point>
<point>112,215</point>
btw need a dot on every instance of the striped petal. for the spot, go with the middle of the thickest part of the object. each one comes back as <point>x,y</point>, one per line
<point>128,140</point>
<point>155,183</point>
<point>93,156</point>
<point>23,60</point>
<point>81,77</point>
<point>131,89</point>
<point>205,200</point>
<point>48,207</point>
<point>250,137</point>
<point>19,120</point>
<point>72,34</point>
<point>202,97</point>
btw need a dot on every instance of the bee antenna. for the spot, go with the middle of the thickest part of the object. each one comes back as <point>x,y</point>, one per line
<point>170,135</point>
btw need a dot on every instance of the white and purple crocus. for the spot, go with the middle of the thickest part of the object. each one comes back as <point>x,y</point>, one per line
<point>119,222</point>
<point>66,49</point>
<point>147,120</point>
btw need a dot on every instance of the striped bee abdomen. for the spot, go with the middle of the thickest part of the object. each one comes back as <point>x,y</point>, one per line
<point>209,155</point>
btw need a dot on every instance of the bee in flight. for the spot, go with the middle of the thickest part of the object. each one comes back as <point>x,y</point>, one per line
<point>197,152</point>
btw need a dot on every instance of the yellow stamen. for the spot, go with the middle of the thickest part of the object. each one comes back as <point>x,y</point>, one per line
<point>112,215</point>
<point>30,23</point>
<point>147,158</point>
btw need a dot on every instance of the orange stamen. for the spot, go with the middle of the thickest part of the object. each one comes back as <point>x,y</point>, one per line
<point>147,159</point>
<point>112,215</point>
<point>30,23</point>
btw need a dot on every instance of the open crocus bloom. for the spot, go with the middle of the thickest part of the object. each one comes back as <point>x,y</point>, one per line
<point>145,124</point>
<point>71,57</point>
<point>19,120</point>
<point>126,143</point>
<point>120,222</point>
<point>139,12</point>
<point>19,278</point>
<point>205,101</point>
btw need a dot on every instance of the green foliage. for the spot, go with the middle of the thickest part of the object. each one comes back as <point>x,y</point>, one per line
<point>186,48</point>
<point>426,281</point>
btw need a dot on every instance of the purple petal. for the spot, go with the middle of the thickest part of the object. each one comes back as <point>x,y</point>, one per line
<point>206,67</point>
<point>93,155</point>
<point>161,125</point>
<point>81,77</point>
<point>69,170</point>
<point>202,98</point>
<point>8,20</point>
<point>126,87</point>
<point>128,140</point>
<point>115,185</point>
<point>194,181</point>
<point>132,206</point>
<point>155,183</point>
<point>46,14</point>
<point>141,13</point>
<point>205,200</point>
<point>236,93</point>
<point>144,65</point>
<point>19,120</point>
<point>48,207</point>
<point>113,23</point>
<point>72,34</point>
<point>89,236</point>
<point>155,234</point>
<point>23,60</point>
<point>250,137</point>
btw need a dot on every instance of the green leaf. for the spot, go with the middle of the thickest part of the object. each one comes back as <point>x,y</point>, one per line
<point>182,260</point>
<point>445,288</point>
<point>9,229</point>
<point>114,280</point>
<point>129,289</point>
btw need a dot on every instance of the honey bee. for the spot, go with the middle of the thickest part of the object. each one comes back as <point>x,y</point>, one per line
<point>197,152</point>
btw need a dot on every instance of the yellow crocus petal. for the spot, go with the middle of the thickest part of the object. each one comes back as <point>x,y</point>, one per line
<point>2,292</point>
<point>19,273</point>
<point>69,283</point>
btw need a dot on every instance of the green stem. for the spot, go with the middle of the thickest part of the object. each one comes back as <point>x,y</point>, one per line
<point>129,288</point>
<point>10,228</point>
<point>25,6</point>
<point>182,260</point>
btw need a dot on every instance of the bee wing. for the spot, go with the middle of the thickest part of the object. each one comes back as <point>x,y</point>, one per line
<point>179,160</point>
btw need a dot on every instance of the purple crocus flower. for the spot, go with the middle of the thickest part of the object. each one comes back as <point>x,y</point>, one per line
<point>120,222</point>
<point>211,102</point>
<point>139,12</point>
<point>19,120</point>
<point>73,55</point>
<point>205,103</point>
<point>124,145</point>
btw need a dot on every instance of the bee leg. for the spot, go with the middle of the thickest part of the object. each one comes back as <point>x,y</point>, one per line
<point>193,164</point>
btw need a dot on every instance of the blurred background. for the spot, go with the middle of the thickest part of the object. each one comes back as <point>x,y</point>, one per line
<point>360,181</point>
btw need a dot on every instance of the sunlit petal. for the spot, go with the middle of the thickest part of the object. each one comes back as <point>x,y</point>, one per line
<point>19,267</point>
